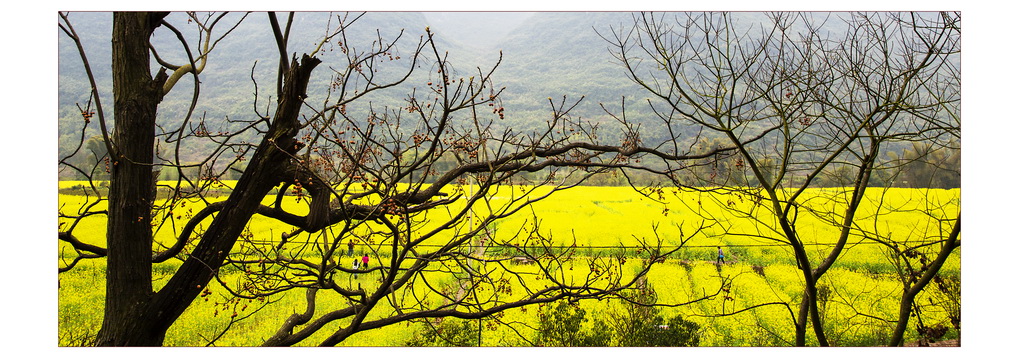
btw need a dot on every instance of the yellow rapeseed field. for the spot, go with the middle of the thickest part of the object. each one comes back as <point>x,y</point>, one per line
<point>764,287</point>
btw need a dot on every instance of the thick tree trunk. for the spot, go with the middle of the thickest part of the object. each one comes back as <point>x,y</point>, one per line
<point>133,314</point>
<point>129,233</point>
<point>271,164</point>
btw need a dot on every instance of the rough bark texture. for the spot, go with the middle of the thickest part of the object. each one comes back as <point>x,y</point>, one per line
<point>134,315</point>
<point>264,172</point>
<point>129,233</point>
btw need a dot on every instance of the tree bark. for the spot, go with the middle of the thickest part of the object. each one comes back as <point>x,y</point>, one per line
<point>133,314</point>
<point>269,166</point>
<point>909,293</point>
<point>129,232</point>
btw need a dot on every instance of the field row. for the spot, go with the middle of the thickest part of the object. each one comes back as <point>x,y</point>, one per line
<point>601,219</point>
<point>859,308</point>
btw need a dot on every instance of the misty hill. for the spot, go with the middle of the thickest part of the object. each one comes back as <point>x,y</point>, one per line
<point>238,80</point>
<point>545,54</point>
<point>484,31</point>
<point>557,54</point>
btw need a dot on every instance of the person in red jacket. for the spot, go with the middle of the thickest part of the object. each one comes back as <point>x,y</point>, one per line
<point>366,261</point>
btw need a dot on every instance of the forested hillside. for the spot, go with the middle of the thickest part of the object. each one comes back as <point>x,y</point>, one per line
<point>237,81</point>
<point>542,55</point>
<point>546,55</point>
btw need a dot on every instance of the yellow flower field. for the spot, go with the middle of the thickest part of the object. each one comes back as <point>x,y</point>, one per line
<point>763,285</point>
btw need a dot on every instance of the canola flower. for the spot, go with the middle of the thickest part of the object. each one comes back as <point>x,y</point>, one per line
<point>862,300</point>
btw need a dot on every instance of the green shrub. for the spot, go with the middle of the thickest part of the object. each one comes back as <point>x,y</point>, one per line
<point>445,333</point>
<point>640,324</point>
<point>562,325</point>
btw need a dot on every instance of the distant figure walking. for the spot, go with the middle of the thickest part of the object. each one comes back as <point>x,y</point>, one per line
<point>721,257</point>
<point>351,247</point>
<point>366,261</point>
<point>355,266</point>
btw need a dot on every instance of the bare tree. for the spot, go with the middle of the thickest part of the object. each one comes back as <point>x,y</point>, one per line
<point>416,183</point>
<point>919,256</point>
<point>798,104</point>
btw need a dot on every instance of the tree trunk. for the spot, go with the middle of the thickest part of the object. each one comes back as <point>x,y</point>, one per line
<point>801,323</point>
<point>809,310</point>
<point>267,169</point>
<point>909,293</point>
<point>133,314</point>
<point>809,303</point>
<point>271,164</point>
<point>129,233</point>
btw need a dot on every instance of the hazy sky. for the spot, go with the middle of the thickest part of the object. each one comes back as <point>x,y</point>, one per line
<point>477,29</point>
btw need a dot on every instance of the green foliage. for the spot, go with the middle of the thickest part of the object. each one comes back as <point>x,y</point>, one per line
<point>640,324</point>
<point>637,324</point>
<point>677,332</point>
<point>563,325</point>
<point>446,333</point>
<point>926,166</point>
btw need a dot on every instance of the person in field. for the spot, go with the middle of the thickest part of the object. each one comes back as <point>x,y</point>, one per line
<point>351,247</point>
<point>366,261</point>
<point>721,257</point>
<point>355,266</point>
